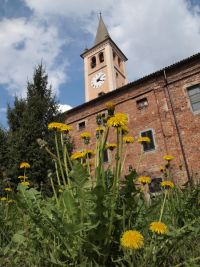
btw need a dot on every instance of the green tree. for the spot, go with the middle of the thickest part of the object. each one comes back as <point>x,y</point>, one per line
<point>28,120</point>
<point>3,151</point>
<point>15,138</point>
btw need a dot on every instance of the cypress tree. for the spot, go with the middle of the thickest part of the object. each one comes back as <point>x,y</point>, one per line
<point>28,120</point>
<point>3,151</point>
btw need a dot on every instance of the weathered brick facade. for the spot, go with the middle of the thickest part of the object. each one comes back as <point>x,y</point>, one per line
<point>176,128</point>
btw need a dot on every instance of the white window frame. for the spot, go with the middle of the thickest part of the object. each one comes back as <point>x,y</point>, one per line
<point>189,88</point>
<point>79,123</point>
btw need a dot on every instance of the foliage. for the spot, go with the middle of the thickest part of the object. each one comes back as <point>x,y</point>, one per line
<point>3,148</point>
<point>3,154</point>
<point>91,208</point>
<point>28,120</point>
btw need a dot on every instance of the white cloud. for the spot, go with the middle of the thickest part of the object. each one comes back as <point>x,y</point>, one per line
<point>64,107</point>
<point>155,33</point>
<point>68,8</point>
<point>152,33</point>
<point>23,44</point>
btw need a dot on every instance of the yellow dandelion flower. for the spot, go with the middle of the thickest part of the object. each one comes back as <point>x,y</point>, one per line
<point>110,105</point>
<point>60,127</point>
<point>86,135</point>
<point>55,126</point>
<point>128,139</point>
<point>11,201</point>
<point>77,155</point>
<point>110,146</point>
<point>100,129</point>
<point>88,153</point>
<point>66,128</point>
<point>25,183</point>
<point>168,157</point>
<point>8,189</point>
<point>124,129</point>
<point>162,168</point>
<point>167,184</point>
<point>144,179</point>
<point>23,177</point>
<point>132,239</point>
<point>118,120</point>
<point>144,139</point>
<point>3,198</point>
<point>158,228</point>
<point>24,165</point>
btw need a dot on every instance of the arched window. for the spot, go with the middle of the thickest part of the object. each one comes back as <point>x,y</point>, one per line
<point>101,57</point>
<point>93,62</point>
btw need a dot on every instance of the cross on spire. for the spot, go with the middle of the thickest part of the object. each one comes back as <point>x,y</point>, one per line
<point>102,32</point>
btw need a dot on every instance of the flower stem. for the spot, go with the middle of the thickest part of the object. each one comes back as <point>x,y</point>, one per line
<point>54,191</point>
<point>59,160</point>
<point>163,205</point>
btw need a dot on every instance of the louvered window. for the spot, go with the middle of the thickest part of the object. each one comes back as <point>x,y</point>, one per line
<point>194,95</point>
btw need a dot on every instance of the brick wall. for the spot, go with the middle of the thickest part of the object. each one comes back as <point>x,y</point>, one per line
<point>158,116</point>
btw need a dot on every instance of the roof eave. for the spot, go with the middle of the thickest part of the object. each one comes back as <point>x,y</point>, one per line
<point>99,44</point>
<point>138,81</point>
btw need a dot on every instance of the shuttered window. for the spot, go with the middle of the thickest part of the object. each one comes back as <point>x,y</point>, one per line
<point>194,95</point>
<point>147,146</point>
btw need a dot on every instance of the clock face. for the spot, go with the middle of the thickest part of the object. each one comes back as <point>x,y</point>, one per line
<point>98,79</point>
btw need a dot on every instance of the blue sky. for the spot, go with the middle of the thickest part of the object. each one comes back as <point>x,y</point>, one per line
<point>151,33</point>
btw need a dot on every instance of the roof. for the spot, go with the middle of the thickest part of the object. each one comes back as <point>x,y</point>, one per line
<point>102,36</point>
<point>102,32</point>
<point>138,81</point>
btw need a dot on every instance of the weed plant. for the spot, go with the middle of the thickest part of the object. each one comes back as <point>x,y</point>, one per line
<point>96,217</point>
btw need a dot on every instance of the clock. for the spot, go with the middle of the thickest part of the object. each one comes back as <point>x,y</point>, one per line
<point>98,79</point>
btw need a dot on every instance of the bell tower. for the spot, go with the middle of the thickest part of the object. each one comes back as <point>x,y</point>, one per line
<point>104,65</point>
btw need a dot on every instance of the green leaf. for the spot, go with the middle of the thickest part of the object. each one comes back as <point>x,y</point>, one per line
<point>19,237</point>
<point>69,202</point>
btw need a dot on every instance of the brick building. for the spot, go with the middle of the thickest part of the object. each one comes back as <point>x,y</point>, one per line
<point>164,105</point>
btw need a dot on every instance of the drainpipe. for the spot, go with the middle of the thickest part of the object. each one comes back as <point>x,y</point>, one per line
<point>178,130</point>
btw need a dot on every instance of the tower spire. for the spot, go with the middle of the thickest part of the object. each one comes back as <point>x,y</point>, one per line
<point>102,32</point>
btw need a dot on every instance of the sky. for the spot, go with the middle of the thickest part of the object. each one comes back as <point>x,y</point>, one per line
<point>152,34</point>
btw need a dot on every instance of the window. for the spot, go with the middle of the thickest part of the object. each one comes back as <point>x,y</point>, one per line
<point>114,55</point>
<point>154,186</point>
<point>81,125</point>
<point>142,103</point>
<point>194,95</point>
<point>101,57</point>
<point>151,145</point>
<point>93,62</point>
